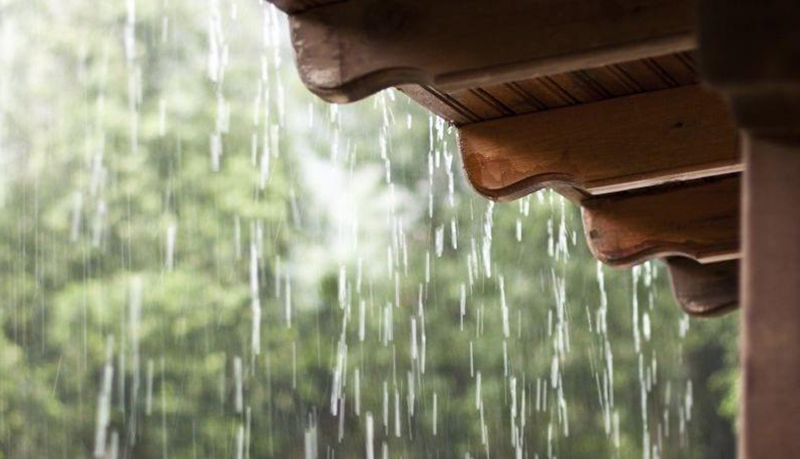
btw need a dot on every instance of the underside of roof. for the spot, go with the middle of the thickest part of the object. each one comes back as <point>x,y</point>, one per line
<point>599,102</point>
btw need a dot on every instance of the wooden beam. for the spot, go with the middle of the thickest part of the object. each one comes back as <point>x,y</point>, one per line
<point>603,147</point>
<point>699,220</point>
<point>704,290</point>
<point>350,49</point>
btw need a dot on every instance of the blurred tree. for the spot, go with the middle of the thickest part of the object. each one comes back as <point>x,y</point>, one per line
<point>168,183</point>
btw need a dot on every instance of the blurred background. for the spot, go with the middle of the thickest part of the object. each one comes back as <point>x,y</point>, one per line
<point>200,259</point>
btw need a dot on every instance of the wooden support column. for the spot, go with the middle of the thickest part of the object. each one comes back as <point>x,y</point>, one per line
<point>771,299</point>
<point>749,51</point>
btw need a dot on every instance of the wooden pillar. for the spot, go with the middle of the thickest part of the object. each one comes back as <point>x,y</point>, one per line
<point>771,294</point>
<point>749,51</point>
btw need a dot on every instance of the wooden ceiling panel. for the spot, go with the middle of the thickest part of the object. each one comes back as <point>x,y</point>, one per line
<point>646,75</point>
<point>440,103</point>
<point>579,88</point>
<point>516,98</point>
<point>532,95</point>
<point>482,103</point>
<point>613,81</point>
<point>679,66</point>
<point>548,94</point>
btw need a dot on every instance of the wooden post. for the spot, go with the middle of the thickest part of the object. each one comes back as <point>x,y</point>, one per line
<point>748,51</point>
<point>771,299</point>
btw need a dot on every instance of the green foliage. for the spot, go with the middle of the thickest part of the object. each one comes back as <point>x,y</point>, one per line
<point>108,155</point>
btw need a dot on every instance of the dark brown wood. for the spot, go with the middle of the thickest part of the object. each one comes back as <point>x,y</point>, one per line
<point>440,103</point>
<point>615,145</point>
<point>747,43</point>
<point>771,300</point>
<point>704,290</point>
<point>749,51</point>
<point>297,6</point>
<point>698,219</point>
<point>350,49</point>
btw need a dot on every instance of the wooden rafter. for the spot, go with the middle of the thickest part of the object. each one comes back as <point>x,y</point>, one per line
<point>698,219</point>
<point>614,145</point>
<point>349,49</point>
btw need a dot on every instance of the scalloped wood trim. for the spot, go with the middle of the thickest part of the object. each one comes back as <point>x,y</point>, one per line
<point>699,220</point>
<point>614,145</point>
<point>350,49</point>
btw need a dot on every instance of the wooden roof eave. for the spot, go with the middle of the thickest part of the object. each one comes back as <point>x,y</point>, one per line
<point>617,157</point>
<point>614,145</point>
<point>697,219</point>
<point>347,50</point>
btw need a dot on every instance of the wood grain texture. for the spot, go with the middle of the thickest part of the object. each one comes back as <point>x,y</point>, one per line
<point>440,103</point>
<point>350,49</point>
<point>618,144</point>
<point>704,290</point>
<point>532,95</point>
<point>698,219</point>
